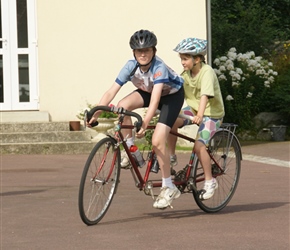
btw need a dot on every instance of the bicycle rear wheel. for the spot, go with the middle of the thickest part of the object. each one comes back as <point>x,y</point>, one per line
<point>99,181</point>
<point>226,152</point>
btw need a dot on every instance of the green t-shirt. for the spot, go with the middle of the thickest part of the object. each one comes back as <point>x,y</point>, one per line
<point>204,83</point>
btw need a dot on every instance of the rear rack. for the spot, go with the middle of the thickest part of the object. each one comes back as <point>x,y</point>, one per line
<point>229,126</point>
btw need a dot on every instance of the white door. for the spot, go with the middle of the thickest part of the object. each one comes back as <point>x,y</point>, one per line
<point>18,55</point>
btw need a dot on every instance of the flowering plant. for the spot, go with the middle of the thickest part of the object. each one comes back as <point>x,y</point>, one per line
<point>245,80</point>
<point>81,114</point>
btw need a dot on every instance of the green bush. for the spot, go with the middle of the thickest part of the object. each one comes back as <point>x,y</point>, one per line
<point>280,93</point>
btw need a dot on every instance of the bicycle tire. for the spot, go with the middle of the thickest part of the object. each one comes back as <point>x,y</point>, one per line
<point>99,181</point>
<point>227,181</point>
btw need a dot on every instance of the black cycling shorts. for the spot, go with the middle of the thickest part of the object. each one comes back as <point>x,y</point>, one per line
<point>169,105</point>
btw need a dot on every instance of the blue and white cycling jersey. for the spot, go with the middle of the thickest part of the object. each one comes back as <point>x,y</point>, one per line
<point>159,72</point>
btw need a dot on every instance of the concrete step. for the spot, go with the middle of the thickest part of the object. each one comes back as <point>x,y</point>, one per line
<point>42,137</point>
<point>24,116</point>
<point>19,127</point>
<point>81,147</point>
<point>50,136</point>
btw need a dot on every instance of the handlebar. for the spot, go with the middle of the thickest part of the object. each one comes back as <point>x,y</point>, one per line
<point>116,110</point>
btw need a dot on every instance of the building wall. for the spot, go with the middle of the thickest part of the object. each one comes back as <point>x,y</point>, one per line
<point>83,44</point>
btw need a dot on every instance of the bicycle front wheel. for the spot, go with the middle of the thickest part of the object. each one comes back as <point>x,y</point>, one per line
<point>226,166</point>
<point>99,181</point>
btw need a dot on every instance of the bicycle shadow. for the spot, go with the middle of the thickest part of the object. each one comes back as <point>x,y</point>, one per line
<point>179,214</point>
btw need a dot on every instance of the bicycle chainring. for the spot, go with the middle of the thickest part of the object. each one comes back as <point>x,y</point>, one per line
<point>180,176</point>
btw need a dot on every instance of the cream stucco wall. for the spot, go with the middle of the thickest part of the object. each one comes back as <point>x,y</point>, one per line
<point>83,44</point>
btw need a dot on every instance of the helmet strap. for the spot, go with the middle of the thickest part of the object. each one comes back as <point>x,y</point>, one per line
<point>141,65</point>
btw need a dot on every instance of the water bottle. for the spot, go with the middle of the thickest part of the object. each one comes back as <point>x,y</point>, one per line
<point>137,155</point>
<point>154,165</point>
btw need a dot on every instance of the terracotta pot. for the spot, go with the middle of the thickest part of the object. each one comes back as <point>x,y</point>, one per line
<point>74,125</point>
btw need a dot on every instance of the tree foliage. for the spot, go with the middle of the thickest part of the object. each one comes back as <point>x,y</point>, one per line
<point>261,26</point>
<point>249,25</point>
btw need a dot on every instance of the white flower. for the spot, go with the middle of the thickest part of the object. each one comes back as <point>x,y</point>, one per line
<point>230,67</point>
<point>267,84</point>
<point>223,58</point>
<point>235,84</point>
<point>232,55</point>
<point>237,76</point>
<point>252,62</point>
<point>216,62</point>
<point>271,79</point>
<point>232,73</point>
<point>258,58</point>
<point>222,68</point>
<point>239,71</point>
<point>251,54</point>
<point>249,95</point>
<point>229,98</point>
<point>217,71</point>
<point>222,77</point>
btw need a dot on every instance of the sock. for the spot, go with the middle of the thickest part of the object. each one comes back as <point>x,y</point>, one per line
<point>210,181</point>
<point>167,182</point>
<point>130,142</point>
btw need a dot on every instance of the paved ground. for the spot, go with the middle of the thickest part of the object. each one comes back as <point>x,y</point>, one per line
<point>39,208</point>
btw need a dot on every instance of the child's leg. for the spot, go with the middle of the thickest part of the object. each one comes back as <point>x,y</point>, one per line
<point>179,123</point>
<point>161,132</point>
<point>206,130</point>
<point>172,139</point>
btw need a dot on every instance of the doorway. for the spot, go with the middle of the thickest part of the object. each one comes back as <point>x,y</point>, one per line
<point>18,55</point>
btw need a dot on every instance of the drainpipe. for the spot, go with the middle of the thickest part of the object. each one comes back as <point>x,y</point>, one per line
<point>208,31</point>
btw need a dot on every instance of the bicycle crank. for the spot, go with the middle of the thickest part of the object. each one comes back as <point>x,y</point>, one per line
<point>148,189</point>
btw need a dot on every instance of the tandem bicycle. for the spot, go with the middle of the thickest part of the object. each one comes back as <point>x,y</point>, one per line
<point>101,173</point>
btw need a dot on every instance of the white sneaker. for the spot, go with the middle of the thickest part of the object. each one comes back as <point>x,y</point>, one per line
<point>166,196</point>
<point>208,189</point>
<point>124,160</point>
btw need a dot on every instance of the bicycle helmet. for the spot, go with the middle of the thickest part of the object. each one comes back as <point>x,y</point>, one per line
<point>143,39</point>
<point>192,46</point>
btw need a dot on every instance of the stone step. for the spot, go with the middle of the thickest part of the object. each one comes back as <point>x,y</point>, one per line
<point>19,127</point>
<point>44,137</point>
<point>84,147</point>
<point>51,136</point>
<point>24,116</point>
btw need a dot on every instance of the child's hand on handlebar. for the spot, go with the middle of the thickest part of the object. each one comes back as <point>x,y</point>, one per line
<point>93,121</point>
<point>141,133</point>
<point>197,119</point>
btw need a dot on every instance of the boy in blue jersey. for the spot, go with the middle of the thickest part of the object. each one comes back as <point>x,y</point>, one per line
<point>158,87</point>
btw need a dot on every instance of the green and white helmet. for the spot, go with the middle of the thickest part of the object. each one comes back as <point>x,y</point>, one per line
<point>192,46</point>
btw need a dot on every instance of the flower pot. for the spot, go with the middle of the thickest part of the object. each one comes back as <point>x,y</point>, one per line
<point>74,125</point>
<point>104,125</point>
<point>278,132</point>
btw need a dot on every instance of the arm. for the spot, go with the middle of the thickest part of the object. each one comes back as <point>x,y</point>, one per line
<point>201,108</point>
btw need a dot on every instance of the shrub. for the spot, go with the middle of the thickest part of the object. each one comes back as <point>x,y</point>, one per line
<point>245,81</point>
